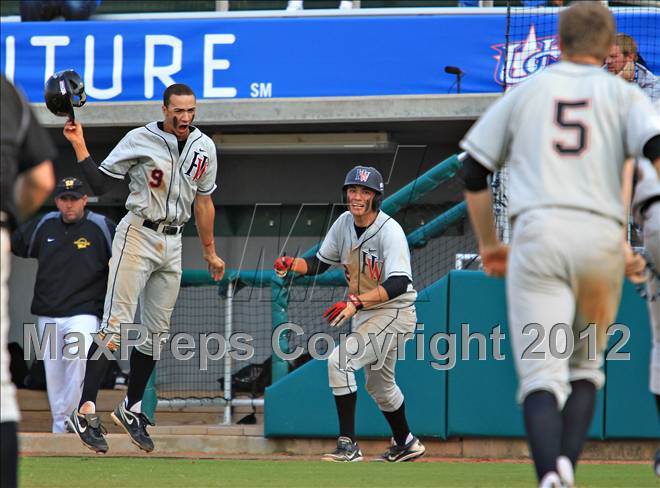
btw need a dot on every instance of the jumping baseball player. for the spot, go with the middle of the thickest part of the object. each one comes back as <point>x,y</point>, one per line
<point>372,248</point>
<point>565,134</point>
<point>170,164</point>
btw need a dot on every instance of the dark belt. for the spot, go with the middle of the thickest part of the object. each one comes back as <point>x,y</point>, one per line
<point>170,230</point>
<point>647,204</point>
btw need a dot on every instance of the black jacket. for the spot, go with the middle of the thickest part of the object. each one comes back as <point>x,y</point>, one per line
<point>73,262</point>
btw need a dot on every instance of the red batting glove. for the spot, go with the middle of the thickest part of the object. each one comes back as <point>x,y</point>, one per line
<point>341,311</point>
<point>283,265</point>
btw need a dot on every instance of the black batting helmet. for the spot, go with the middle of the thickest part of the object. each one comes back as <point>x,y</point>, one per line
<point>64,90</point>
<point>369,177</point>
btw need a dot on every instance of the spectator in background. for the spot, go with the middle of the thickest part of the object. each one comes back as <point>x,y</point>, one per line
<point>26,180</point>
<point>294,5</point>
<point>40,10</point>
<point>624,61</point>
<point>73,247</point>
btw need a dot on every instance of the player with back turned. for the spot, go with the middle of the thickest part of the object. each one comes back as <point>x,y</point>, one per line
<point>26,180</point>
<point>372,248</point>
<point>565,134</point>
<point>170,165</point>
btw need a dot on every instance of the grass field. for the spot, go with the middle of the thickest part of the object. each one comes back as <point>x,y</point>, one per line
<point>183,473</point>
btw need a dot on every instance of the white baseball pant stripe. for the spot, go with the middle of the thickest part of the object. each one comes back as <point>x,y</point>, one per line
<point>565,267</point>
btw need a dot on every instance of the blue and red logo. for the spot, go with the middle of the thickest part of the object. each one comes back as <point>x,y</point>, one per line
<point>524,58</point>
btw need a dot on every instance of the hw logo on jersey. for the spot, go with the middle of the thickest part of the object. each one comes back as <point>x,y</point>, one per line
<point>362,175</point>
<point>525,58</point>
<point>371,264</point>
<point>200,162</point>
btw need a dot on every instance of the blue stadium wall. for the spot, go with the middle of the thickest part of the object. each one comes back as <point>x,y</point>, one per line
<point>475,397</point>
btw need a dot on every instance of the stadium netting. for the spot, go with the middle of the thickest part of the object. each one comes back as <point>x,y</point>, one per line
<point>442,240</point>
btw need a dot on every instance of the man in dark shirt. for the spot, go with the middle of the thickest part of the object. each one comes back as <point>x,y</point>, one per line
<point>73,246</point>
<point>26,180</point>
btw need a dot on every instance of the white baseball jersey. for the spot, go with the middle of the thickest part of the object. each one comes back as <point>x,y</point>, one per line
<point>565,134</point>
<point>380,252</point>
<point>163,182</point>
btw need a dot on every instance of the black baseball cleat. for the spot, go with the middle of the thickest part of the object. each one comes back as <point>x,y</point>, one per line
<point>135,425</point>
<point>347,452</point>
<point>89,430</point>
<point>408,452</point>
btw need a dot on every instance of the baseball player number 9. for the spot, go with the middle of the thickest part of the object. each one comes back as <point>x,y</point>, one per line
<point>156,178</point>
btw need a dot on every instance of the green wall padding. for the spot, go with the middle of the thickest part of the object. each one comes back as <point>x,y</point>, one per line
<point>631,410</point>
<point>482,394</point>
<point>475,398</point>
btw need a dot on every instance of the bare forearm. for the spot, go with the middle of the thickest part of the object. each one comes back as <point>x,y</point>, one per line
<point>374,297</point>
<point>299,265</point>
<point>81,151</point>
<point>480,209</point>
<point>627,184</point>
<point>33,187</point>
<point>204,219</point>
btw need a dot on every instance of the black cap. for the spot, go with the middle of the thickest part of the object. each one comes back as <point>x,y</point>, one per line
<point>69,186</point>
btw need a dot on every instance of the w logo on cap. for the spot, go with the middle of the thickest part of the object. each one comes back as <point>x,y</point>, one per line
<point>362,175</point>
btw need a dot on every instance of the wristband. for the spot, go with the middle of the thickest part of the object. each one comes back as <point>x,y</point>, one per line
<point>357,303</point>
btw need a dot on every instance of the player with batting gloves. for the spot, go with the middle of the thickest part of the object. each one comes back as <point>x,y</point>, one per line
<point>372,248</point>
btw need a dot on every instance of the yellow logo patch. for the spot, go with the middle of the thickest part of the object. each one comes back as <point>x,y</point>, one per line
<point>82,243</point>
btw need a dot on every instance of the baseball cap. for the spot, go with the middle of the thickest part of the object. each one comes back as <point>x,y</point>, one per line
<point>69,186</point>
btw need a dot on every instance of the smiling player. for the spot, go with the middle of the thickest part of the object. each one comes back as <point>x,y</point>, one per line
<point>372,248</point>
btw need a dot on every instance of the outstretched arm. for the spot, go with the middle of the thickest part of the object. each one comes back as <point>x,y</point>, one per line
<point>204,219</point>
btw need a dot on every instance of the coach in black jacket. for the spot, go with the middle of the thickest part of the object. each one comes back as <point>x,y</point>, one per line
<point>73,247</point>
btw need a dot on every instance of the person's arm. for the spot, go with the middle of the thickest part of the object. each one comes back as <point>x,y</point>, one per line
<point>20,238</point>
<point>635,264</point>
<point>494,254</point>
<point>33,187</point>
<point>303,266</point>
<point>204,219</point>
<point>99,182</point>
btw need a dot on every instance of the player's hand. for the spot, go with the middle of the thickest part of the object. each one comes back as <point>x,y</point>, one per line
<point>73,132</point>
<point>343,310</point>
<point>283,265</point>
<point>635,265</point>
<point>216,266</point>
<point>494,259</point>
<point>339,313</point>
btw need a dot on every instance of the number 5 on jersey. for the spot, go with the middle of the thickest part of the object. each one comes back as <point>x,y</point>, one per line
<point>575,130</point>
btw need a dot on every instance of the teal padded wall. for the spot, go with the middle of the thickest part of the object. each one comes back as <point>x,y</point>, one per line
<point>475,398</point>
<point>631,410</point>
<point>301,404</point>
<point>481,395</point>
